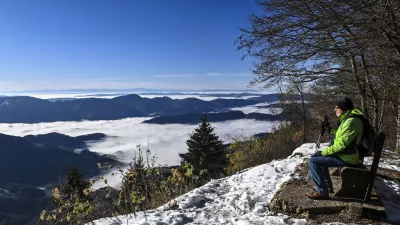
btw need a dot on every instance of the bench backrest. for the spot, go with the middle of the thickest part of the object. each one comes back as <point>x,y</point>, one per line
<point>377,149</point>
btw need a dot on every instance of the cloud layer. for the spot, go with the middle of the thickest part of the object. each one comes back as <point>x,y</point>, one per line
<point>113,95</point>
<point>125,134</point>
<point>258,108</point>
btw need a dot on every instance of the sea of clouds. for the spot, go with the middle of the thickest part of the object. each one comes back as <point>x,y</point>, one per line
<point>124,135</point>
<point>113,95</point>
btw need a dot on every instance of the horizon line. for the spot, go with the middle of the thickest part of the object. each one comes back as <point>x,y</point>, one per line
<point>132,89</point>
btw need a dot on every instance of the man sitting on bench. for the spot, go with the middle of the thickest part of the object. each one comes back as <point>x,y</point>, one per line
<point>342,152</point>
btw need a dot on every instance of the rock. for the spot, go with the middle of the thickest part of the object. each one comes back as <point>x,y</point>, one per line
<point>355,209</point>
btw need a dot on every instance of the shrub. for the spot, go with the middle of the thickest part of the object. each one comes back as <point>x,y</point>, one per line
<point>71,201</point>
<point>145,186</point>
<point>245,152</point>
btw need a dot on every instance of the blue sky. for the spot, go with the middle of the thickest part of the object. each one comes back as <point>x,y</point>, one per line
<point>70,44</point>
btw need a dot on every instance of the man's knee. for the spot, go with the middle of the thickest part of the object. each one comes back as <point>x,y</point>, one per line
<point>316,160</point>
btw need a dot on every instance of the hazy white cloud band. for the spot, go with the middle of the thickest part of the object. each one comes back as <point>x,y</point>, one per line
<point>125,134</point>
<point>109,96</point>
<point>258,108</point>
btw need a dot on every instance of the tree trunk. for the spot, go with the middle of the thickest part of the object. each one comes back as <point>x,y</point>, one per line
<point>398,128</point>
<point>361,88</point>
<point>382,111</point>
<point>304,117</point>
<point>375,100</point>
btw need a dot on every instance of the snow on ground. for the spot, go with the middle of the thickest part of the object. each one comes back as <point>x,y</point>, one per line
<point>388,190</point>
<point>389,160</point>
<point>243,198</point>
<point>389,193</point>
<point>239,199</point>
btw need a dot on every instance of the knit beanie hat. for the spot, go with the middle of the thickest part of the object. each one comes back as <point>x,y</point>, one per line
<point>345,104</point>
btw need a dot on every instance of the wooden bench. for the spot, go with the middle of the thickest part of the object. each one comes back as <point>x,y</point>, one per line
<point>358,182</point>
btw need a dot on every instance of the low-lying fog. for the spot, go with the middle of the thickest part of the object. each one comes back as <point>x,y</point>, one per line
<point>258,108</point>
<point>124,135</point>
<point>113,95</point>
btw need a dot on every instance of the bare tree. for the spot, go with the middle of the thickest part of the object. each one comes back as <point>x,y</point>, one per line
<point>293,102</point>
<point>344,44</point>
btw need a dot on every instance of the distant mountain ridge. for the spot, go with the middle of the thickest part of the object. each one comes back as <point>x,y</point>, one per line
<point>129,90</point>
<point>55,139</point>
<point>33,161</point>
<point>40,160</point>
<point>194,118</point>
<point>33,110</point>
<point>235,95</point>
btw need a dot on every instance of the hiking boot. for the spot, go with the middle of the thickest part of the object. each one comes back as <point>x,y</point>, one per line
<point>330,189</point>
<point>317,196</point>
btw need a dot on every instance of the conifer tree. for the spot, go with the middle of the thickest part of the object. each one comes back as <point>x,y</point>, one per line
<point>205,150</point>
<point>75,186</point>
<point>71,201</point>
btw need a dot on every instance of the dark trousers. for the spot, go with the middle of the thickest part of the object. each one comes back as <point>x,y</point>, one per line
<point>319,171</point>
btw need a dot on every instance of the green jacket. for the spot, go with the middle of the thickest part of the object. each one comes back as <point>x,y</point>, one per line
<point>347,137</point>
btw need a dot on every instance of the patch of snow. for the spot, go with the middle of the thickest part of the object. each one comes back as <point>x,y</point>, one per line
<point>388,190</point>
<point>242,198</point>
<point>389,160</point>
<point>309,149</point>
<point>389,193</point>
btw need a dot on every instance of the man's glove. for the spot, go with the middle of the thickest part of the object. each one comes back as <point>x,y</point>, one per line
<point>316,154</point>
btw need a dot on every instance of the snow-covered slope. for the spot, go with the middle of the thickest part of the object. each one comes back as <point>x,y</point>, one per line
<point>239,199</point>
